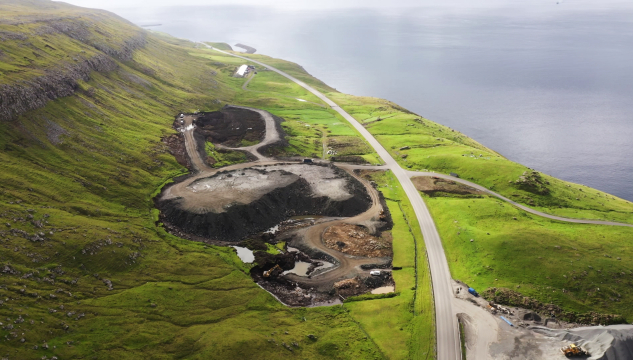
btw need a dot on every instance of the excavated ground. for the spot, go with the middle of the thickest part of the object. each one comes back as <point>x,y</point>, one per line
<point>229,206</point>
<point>433,185</point>
<point>268,201</point>
<point>231,126</point>
<point>357,241</point>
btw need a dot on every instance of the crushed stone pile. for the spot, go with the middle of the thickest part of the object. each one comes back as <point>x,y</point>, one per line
<point>614,342</point>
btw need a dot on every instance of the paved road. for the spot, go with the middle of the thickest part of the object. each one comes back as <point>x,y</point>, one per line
<point>447,330</point>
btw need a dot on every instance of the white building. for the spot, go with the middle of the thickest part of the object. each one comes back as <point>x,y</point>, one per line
<point>241,71</point>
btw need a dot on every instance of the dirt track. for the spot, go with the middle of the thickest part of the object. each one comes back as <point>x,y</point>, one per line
<point>347,266</point>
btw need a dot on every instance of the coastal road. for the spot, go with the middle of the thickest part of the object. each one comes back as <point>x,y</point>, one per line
<point>448,345</point>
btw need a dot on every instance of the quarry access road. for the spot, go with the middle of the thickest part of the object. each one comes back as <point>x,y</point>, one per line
<point>349,266</point>
<point>413,174</point>
<point>522,207</point>
<point>447,330</point>
<point>190,145</point>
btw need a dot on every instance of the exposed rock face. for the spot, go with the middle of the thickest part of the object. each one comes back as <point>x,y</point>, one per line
<point>21,97</point>
<point>509,297</point>
<point>61,79</point>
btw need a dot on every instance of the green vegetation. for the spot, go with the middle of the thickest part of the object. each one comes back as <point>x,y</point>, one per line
<point>221,45</point>
<point>402,325</point>
<point>224,157</point>
<point>579,267</point>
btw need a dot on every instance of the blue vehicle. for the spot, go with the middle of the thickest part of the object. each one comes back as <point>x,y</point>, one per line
<point>472,292</point>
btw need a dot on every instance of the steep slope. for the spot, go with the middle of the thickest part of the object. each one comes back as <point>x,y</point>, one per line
<point>86,98</point>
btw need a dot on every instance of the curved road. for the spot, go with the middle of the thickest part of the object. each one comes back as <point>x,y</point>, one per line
<point>347,265</point>
<point>447,331</point>
<point>520,206</point>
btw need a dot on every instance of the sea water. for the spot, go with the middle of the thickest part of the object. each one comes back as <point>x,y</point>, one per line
<point>548,84</point>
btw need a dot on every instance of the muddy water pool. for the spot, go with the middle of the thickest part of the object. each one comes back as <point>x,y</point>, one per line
<point>244,254</point>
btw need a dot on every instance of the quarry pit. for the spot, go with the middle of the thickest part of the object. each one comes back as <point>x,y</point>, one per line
<point>280,203</point>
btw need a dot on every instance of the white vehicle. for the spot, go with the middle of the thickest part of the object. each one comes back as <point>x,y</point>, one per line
<point>375,272</point>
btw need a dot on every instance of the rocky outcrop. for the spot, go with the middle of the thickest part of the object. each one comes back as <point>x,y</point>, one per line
<point>512,298</point>
<point>62,79</point>
<point>20,97</point>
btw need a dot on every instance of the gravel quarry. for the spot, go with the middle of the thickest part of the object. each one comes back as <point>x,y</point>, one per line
<point>268,201</point>
<point>230,205</point>
<point>614,342</point>
<point>533,336</point>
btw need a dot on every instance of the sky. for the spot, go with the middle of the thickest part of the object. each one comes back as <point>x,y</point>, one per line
<point>334,4</point>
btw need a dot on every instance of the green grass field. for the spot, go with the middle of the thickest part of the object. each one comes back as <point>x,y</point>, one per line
<point>402,326</point>
<point>550,261</point>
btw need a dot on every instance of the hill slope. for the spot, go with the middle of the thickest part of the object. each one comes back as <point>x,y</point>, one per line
<point>85,99</point>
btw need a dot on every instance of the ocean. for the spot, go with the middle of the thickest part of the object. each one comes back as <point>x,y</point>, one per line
<point>547,84</point>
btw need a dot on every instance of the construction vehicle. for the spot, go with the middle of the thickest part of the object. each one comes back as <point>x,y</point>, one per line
<point>269,272</point>
<point>573,350</point>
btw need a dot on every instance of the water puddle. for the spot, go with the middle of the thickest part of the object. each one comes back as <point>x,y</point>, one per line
<point>244,254</point>
<point>301,269</point>
<point>384,290</point>
<point>326,265</point>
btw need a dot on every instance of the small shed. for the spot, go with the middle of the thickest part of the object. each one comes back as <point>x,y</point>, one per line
<point>241,71</point>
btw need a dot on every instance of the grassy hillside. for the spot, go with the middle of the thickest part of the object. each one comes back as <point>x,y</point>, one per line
<point>85,271</point>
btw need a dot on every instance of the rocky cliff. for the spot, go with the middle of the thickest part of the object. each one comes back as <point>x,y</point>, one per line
<point>48,56</point>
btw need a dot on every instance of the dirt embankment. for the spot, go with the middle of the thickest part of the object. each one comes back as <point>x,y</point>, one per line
<point>176,145</point>
<point>238,220</point>
<point>231,127</point>
<point>435,185</point>
<point>513,298</point>
<point>356,240</point>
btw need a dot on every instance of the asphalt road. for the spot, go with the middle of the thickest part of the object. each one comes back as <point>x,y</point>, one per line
<point>447,330</point>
